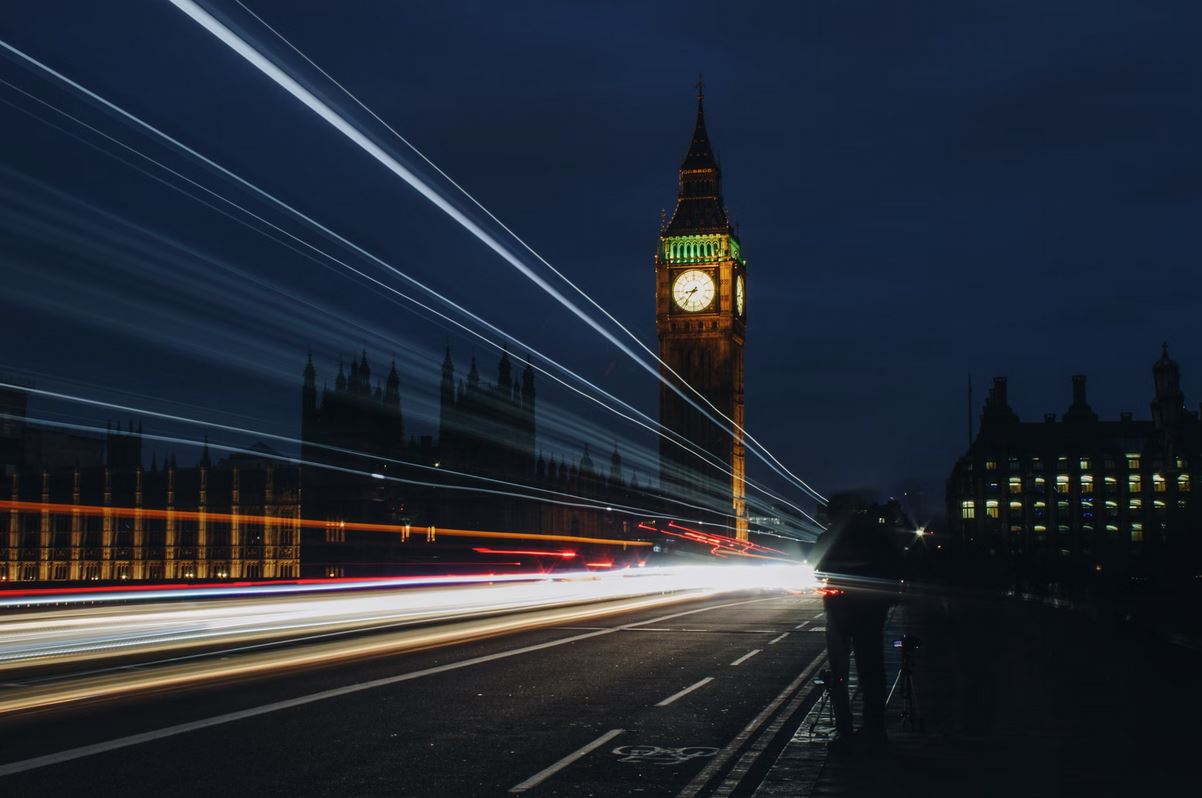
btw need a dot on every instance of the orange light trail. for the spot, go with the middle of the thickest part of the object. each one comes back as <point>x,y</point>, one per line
<point>567,555</point>
<point>303,523</point>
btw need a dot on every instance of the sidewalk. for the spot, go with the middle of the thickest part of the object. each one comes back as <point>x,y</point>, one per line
<point>1017,700</point>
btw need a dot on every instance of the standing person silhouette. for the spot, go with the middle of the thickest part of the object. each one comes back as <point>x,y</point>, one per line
<point>860,562</point>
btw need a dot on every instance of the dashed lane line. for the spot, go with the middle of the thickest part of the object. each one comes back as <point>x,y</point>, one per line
<point>686,691</point>
<point>778,638</point>
<point>579,753</point>
<point>70,754</point>
<point>746,657</point>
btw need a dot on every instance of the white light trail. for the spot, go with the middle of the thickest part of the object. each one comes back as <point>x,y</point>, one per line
<point>525,245</point>
<point>651,424</point>
<point>289,84</point>
<point>657,428</point>
<point>84,636</point>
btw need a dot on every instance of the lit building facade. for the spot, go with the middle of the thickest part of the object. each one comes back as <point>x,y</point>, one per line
<point>1081,498</point>
<point>238,519</point>
<point>701,322</point>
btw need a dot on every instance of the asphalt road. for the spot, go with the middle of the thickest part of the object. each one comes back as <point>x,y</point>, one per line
<point>631,704</point>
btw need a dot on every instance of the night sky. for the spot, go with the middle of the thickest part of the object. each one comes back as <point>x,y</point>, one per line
<point>924,190</point>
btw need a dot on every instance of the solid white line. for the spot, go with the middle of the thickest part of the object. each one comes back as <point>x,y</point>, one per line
<point>746,656</point>
<point>579,753</point>
<point>778,638</point>
<point>719,761</point>
<point>685,691</point>
<point>33,763</point>
<point>817,628</point>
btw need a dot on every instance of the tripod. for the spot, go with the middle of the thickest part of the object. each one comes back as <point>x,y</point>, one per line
<point>905,680</point>
<point>826,709</point>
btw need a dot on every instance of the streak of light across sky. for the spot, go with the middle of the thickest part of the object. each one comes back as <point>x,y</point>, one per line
<point>608,398</point>
<point>584,294</point>
<point>340,123</point>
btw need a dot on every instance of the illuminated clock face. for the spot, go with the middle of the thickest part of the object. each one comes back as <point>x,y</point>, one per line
<point>739,298</point>
<point>693,290</point>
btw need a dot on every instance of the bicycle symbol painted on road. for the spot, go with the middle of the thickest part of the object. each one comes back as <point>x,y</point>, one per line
<point>654,755</point>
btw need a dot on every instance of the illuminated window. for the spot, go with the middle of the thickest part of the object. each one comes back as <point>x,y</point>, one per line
<point>1132,461</point>
<point>1062,506</point>
<point>991,465</point>
<point>1112,509</point>
<point>1040,482</point>
<point>1158,483</point>
<point>1062,483</point>
<point>1016,507</point>
<point>1086,483</point>
<point>1040,528</point>
<point>968,509</point>
<point>991,508</point>
<point>1036,464</point>
<point>1135,504</point>
<point>1183,483</point>
<point>1158,505</point>
<point>1111,481</point>
<point>1137,532</point>
<point>1134,483</point>
<point>1111,528</point>
<point>1016,485</point>
<point>1084,463</point>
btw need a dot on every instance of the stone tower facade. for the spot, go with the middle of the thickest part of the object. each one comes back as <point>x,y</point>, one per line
<point>701,322</point>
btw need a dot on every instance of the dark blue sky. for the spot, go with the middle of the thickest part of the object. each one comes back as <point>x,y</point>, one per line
<point>924,190</point>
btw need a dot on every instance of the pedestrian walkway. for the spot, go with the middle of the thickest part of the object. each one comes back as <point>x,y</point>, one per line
<point>1016,700</point>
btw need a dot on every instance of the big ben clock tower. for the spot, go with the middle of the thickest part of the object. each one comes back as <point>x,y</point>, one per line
<point>701,320</point>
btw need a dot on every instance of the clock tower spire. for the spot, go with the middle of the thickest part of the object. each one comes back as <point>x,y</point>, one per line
<point>700,319</point>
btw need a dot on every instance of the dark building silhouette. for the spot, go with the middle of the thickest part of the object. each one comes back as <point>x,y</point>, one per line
<point>1082,498</point>
<point>23,443</point>
<point>700,279</point>
<point>354,447</point>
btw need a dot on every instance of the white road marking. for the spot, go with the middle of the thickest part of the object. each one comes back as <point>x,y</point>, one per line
<point>817,628</point>
<point>579,753</point>
<point>819,616</point>
<point>746,656</point>
<point>778,638</point>
<point>36,762</point>
<point>801,625</point>
<point>718,762</point>
<point>685,691</point>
